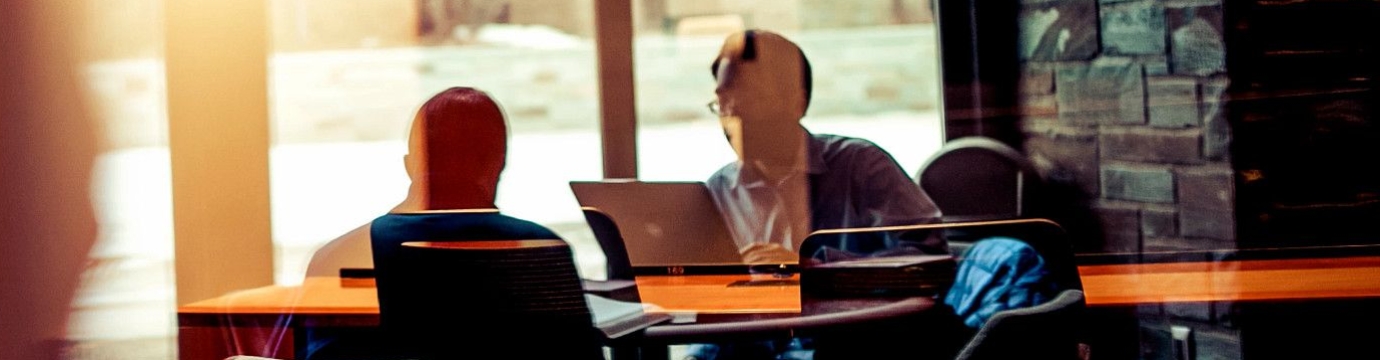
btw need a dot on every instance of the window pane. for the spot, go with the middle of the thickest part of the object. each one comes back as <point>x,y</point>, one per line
<point>125,304</point>
<point>874,66</point>
<point>348,77</point>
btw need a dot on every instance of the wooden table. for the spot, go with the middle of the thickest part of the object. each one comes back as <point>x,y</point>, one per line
<point>259,321</point>
<point>356,300</point>
<point>1246,280</point>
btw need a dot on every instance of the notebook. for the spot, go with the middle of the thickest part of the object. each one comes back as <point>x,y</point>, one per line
<point>667,227</point>
<point>617,318</point>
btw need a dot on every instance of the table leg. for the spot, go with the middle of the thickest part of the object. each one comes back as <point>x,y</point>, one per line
<point>656,352</point>
<point>220,342</point>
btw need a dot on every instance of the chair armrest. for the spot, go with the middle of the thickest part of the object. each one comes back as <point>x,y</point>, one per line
<point>783,327</point>
<point>623,290</point>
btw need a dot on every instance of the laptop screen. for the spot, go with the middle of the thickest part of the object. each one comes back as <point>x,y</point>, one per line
<point>667,227</point>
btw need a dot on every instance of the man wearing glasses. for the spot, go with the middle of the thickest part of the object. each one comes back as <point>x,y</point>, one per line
<point>788,182</point>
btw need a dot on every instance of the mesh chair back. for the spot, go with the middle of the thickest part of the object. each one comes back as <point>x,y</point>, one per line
<point>979,178</point>
<point>1046,236</point>
<point>458,299</point>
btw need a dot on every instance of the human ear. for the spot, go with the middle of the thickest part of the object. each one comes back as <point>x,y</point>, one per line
<point>410,166</point>
<point>733,132</point>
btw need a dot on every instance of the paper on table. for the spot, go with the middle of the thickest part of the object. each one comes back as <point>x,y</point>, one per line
<point>617,318</point>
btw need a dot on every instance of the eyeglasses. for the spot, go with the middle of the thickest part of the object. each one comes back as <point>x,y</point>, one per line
<point>713,106</point>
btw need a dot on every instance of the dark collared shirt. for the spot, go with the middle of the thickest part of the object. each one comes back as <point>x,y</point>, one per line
<point>853,183</point>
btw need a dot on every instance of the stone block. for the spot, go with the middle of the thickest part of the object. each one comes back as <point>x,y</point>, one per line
<point>1152,145</point>
<point>1039,105</point>
<point>1172,102</point>
<point>1120,227</point>
<point>1157,67</point>
<point>1190,3</point>
<point>1058,30</point>
<point>1048,126</point>
<point>1037,82</point>
<point>1155,185</point>
<point>1066,159</point>
<point>1217,343</point>
<point>1196,41</point>
<point>1182,244</point>
<point>1101,93</point>
<point>1224,313</point>
<point>1212,342</point>
<point>1216,129</point>
<point>1164,244</point>
<point>1153,311</point>
<point>882,91</point>
<point>691,8</point>
<point>1207,189</point>
<point>1195,311</point>
<point>1207,223</point>
<point>1156,343</point>
<point>1133,28</point>
<point>1159,222</point>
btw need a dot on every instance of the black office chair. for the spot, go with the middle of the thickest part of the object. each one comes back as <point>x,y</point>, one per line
<point>459,299</point>
<point>827,273</point>
<point>944,333</point>
<point>979,178</point>
<point>617,265</point>
<point>620,281</point>
<point>1046,331</point>
<point>1047,237</point>
<point>934,333</point>
<point>1062,282</point>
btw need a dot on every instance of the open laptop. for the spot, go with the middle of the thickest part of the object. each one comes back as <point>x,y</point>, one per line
<point>668,227</point>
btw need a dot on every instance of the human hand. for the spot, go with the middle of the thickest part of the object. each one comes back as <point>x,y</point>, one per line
<point>760,253</point>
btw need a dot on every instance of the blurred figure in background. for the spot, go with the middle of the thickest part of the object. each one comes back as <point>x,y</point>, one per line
<point>47,149</point>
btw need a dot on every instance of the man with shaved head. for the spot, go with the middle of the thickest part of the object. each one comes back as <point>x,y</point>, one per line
<point>788,182</point>
<point>457,148</point>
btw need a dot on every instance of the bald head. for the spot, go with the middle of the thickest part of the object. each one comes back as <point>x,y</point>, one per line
<point>764,54</point>
<point>456,150</point>
<point>763,88</point>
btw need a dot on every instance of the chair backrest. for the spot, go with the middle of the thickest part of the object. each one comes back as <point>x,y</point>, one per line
<point>979,178</point>
<point>1045,331</point>
<point>617,265</point>
<point>1046,236</point>
<point>457,299</point>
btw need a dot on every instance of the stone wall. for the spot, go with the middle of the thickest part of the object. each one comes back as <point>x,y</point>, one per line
<point>1135,108</point>
<point>1121,102</point>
